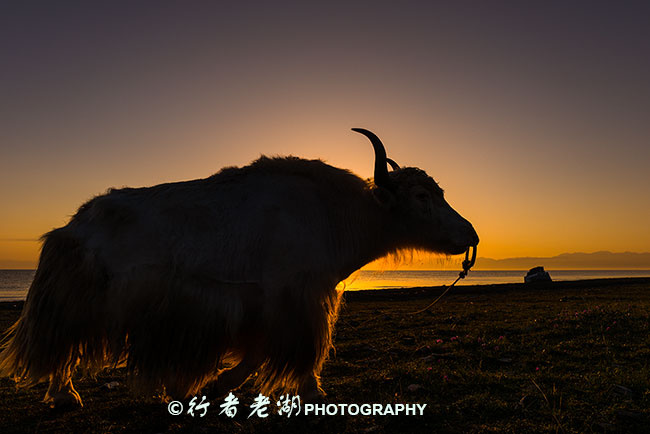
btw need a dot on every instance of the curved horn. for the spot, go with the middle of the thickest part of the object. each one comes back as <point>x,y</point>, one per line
<point>381,171</point>
<point>392,163</point>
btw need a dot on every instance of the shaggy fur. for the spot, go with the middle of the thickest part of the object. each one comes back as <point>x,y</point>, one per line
<point>238,269</point>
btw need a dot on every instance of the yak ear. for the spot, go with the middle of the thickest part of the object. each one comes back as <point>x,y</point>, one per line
<point>384,197</point>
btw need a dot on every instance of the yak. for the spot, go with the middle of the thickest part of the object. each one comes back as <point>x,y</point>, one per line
<point>239,270</point>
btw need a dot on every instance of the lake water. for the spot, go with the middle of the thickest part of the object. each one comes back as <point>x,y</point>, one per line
<point>409,279</point>
<point>15,283</point>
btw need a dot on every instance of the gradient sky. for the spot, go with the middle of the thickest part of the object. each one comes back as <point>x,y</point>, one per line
<point>534,118</point>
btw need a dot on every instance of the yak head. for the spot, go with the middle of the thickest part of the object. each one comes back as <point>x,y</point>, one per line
<point>420,216</point>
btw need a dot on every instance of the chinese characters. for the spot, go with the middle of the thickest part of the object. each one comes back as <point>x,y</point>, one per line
<point>287,406</point>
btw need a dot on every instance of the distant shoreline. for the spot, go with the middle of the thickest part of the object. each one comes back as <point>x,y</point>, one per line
<point>487,289</point>
<point>413,293</point>
<point>379,270</point>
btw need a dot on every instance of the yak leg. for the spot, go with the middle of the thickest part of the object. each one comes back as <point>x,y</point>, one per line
<point>316,342</point>
<point>310,390</point>
<point>61,393</point>
<point>234,377</point>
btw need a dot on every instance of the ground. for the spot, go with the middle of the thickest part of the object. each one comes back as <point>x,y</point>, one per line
<point>567,357</point>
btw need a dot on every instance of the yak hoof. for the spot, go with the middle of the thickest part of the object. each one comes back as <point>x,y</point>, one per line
<point>64,400</point>
<point>310,391</point>
<point>313,397</point>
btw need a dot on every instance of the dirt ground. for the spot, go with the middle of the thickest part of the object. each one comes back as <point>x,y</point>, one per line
<point>567,357</point>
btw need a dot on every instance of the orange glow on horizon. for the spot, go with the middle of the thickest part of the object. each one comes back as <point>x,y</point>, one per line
<point>544,150</point>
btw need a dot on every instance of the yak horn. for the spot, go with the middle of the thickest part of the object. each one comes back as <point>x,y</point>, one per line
<point>381,171</point>
<point>392,163</point>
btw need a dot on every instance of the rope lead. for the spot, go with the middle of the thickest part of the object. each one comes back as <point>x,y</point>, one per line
<point>467,264</point>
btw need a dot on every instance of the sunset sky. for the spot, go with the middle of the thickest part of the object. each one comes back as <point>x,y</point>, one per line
<point>534,118</point>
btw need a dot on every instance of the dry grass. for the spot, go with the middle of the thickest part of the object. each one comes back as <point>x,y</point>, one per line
<point>569,357</point>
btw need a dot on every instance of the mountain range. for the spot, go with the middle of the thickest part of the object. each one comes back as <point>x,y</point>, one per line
<point>602,260</point>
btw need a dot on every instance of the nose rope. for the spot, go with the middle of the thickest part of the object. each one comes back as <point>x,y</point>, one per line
<point>467,264</point>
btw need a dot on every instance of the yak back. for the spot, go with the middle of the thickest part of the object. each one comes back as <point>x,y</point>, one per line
<point>276,215</point>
